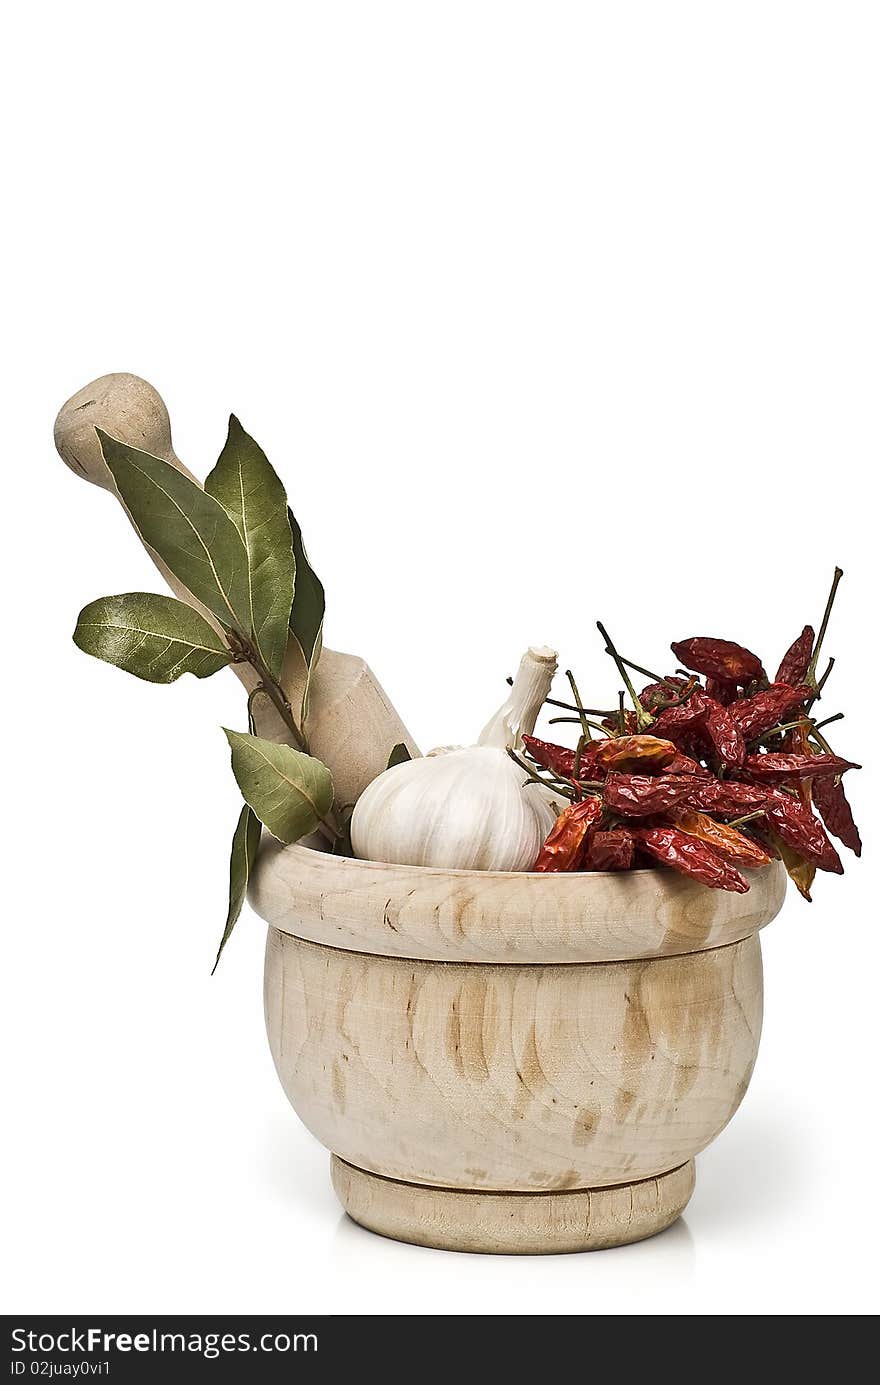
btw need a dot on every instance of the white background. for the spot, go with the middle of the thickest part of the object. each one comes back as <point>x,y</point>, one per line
<point>545,312</point>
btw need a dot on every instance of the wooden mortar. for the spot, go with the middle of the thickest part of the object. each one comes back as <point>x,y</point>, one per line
<point>511,1063</point>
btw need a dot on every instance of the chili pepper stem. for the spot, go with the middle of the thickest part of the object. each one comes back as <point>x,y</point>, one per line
<point>523,764</point>
<point>811,671</point>
<point>579,750</point>
<point>655,677</point>
<point>682,695</point>
<point>824,679</point>
<point>643,718</point>
<point>838,716</point>
<point>570,707</point>
<point>781,729</point>
<point>558,787</point>
<point>578,721</point>
<point>821,683</point>
<point>585,725</point>
<point>748,817</point>
<point>821,741</point>
<point>547,780</point>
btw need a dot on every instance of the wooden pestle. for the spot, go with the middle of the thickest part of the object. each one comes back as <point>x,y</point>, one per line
<point>351,724</point>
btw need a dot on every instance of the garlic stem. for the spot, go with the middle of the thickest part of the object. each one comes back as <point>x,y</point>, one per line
<point>517,717</point>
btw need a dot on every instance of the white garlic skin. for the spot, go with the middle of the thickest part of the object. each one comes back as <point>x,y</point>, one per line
<point>463,810</point>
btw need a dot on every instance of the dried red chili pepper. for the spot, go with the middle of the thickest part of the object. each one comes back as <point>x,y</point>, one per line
<point>764,710</point>
<point>725,796</point>
<point>642,795</point>
<point>721,659</point>
<point>567,837</point>
<point>612,850</point>
<point>690,856</point>
<point>676,722</point>
<point>655,696</point>
<point>683,764</point>
<point>732,845</point>
<point>801,872</point>
<point>833,804</point>
<point>702,715</point>
<point>723,692</point>
<point>625,723</point>
<point>557,758</point>
<point>778,769</point>
<point>797,742</point>
<point>721,731</point>
<point>796,659</point>
<point>632,753</point>
<point>800,829</point>
<point>560,760</point>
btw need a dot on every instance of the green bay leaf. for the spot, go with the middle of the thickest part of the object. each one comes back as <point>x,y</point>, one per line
<point>245,841</point>
<point>154,637</point>
<point>307,613</point>
<point>290,792</point>
<point>398,756</point>
<point>246,485</point>
<point>190,530</point>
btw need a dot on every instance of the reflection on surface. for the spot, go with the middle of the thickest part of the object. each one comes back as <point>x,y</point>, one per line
<point>754,1173</point>
<point>752,1184</point>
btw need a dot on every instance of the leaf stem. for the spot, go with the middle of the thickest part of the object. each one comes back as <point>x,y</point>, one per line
<point>273,691</point>
<point>330,826</point>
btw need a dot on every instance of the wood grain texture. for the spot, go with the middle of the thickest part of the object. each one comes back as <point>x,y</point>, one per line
<point>352,726</point>
<point>126,407</point>
<point>486,916</point>
<point>525,1077</point>
<point>513,1223</point>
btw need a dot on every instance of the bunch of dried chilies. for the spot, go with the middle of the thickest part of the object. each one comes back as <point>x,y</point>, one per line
<point>714,768</point>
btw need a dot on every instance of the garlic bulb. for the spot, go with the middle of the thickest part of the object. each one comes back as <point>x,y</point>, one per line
<point>465,808</point>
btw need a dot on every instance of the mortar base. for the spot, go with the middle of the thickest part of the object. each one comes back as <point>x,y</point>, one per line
<point>499,1223</point>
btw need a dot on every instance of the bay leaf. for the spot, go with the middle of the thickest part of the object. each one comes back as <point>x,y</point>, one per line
<point>307,612</point>
<point>310,673</point>
<point>398,756</point>
<point>248,488</point>
<point>154,637</point>
<point>245,841</point>
<point>190,530</point>
<point>289,791</point>
<point>342,845</point>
